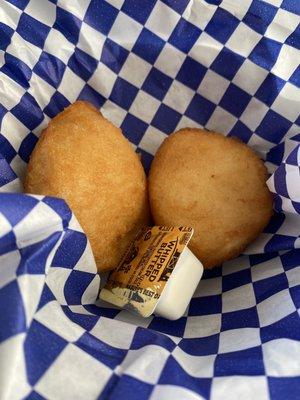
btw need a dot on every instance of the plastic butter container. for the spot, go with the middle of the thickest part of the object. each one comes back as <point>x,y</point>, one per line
<point>158,274</point>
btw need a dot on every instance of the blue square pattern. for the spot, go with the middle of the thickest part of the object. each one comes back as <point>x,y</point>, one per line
<point>6,33</point>
<point>148,46</point>
<point>57,103</point>
<point>243,362</point>
<point>280,183</point>
<point>38,354</point>
<point>70,250</point>
<point>184,35</point>
<point>98,349</point>
<point>291,5</point>
<point>174,328</point>
<point>276,154</point>
<point>200,346</point>
<point>293,39</point>
<point>260,15</point>
<point>295,79</point>
<point>157,83</point>
<point>235,100</point>
<point>138,10</point>
<point>268,90</point>
<point>50,68</point>
<point>177,5</point>
<point>7,150</point>
<point>247,318</point>
<point>236,279</point>
<point>222,25</point>
<point>191,73</point>
<point>123,93</point>
<point>273,127</point>
<point>174,374</point>
<point>8,243</point>
<point>290,259</point>
<point>200,109</point>
<point>101,15</point>
<point>227,63</point>
<point>287,327</point>
<point>34,257</point>
<point>267,287</point>
<point>34,396</point>
<point>113,55</point>
<point>28,111</point>
<point>205,305</point>
<point>132,388</point>
<point>17,70</point>
<point>241,131</point>
<point>144,336</point>
<point>82,64</point>
<point>86,321</point>
<point>11,303</point>
<point>166,119</point>
<point>76,284</point>
<point>265,53</point>
<point>16,207</point>
<point>91,95</point>
<point>32,30</point>
<point>67,24</point>
<point>6,173</point>
<point>284,388</point>
<point>133,128</point>
<point>21,4</point>
<point>27,146</point>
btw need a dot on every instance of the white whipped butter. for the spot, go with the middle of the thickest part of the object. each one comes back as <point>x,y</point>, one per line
<point>180,287</point>
<point>157,274</point>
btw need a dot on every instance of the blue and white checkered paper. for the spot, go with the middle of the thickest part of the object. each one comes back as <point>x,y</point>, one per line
<point>152,67</point>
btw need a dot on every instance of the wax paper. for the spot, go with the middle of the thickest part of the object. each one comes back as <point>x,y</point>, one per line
<point>151,67</point>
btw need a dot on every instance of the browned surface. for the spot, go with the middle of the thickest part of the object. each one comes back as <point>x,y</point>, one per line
<point>214,184</point>
<point>84,159</point>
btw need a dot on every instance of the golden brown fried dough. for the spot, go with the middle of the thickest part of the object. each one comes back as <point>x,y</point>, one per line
<point>216,185</point>
<point>84,159</point>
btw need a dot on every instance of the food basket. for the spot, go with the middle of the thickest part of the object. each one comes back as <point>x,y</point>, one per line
<point>152,67</point>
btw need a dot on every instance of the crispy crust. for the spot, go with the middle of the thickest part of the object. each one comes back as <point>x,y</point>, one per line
<point>215,184</point>
<point>86,160</point>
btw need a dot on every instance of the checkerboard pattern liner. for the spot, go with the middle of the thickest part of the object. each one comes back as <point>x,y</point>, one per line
<point>152,67</point>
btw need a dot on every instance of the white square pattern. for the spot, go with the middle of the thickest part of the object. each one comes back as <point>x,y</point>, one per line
<point>197,366</point>
<point>239,339</point>
<point>144,106</point>
<point>202,326</point>
<point>91,41</point>
<point>145,363</point>
<point>281,357</point>
<point>240,387</point>
<point>125,31</point>
<point>275,308</point>
<point>57,376</point>
<point>247,44</point>
<point>283,25</point>
<point>151,140</point>
<point>140,67</point>
<point>250,76</point>
<point>179,96</point>
<point>161,12</point>
<point>238,298</point>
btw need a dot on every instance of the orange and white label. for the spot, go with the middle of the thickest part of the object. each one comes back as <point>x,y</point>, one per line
<point>138,281</point>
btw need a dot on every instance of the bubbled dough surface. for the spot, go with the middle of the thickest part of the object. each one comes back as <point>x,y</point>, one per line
<point>214,184</point>
<point>84,159</point>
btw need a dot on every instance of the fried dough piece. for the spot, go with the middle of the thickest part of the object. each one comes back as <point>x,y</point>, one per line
<point>216,185</point>
<point>84,159</point>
